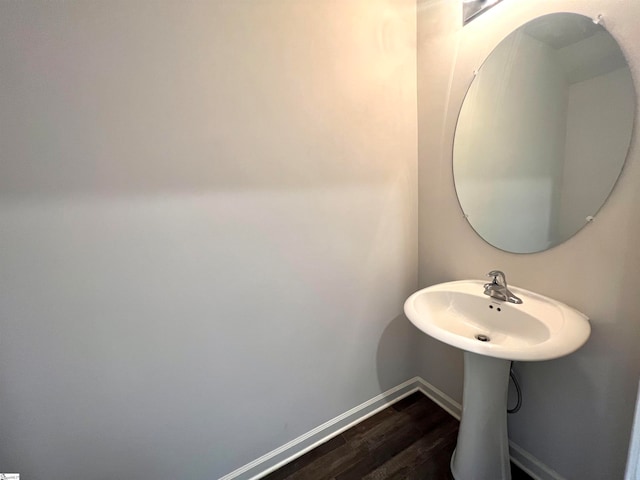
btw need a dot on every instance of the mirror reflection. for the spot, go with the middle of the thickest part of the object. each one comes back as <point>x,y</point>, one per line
<point>543,133</point>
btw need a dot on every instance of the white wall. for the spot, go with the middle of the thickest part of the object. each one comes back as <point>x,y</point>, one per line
<point>578,410</point>
<point>208,227</point>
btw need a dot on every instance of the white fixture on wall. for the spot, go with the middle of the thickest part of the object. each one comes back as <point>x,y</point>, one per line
<point>472,8</point>
<point>494,325</point>
<point>633,461</point>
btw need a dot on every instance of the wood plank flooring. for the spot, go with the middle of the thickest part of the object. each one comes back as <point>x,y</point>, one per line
<point>412,439</point>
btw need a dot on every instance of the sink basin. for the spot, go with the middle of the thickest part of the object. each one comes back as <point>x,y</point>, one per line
<point>492,333</point>
<point>460,314</point>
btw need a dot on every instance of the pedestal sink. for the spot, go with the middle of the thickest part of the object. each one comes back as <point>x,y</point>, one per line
<point>492,333</point>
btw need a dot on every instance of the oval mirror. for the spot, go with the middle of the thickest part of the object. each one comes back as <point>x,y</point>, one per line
<point>543,133</point>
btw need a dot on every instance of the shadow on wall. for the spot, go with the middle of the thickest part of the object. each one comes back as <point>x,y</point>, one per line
<point>574,383</point>
<point>396,351</point>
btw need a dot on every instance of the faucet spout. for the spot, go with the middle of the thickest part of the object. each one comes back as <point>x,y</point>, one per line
<point>498,289</point>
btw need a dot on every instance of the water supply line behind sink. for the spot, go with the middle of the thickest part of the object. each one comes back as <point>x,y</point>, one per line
<point>518,391</point>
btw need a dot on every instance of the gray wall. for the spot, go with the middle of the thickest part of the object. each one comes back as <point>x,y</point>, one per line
<point>577,411</point>
<point>208,227</point>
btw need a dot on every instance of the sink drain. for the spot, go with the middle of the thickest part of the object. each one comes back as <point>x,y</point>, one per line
<point>482,338</point>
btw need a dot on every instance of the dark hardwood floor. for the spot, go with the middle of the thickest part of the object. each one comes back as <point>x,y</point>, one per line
<point>412,439</point>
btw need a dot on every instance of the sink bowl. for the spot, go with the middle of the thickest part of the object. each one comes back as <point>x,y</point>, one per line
<point>492,334</point>
<point>460,314</point>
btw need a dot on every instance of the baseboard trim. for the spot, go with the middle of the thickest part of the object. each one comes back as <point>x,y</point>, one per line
<point>438,396</point>
<point>297,447</point>
<point>530,464</point>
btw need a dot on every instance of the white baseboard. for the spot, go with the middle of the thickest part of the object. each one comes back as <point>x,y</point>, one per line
<point>531,465</point>
<point>297,447</point>
<point>438,396</point>
<point>321,434</point>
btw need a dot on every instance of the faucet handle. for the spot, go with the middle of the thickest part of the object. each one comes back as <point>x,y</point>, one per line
<point>498,274</point>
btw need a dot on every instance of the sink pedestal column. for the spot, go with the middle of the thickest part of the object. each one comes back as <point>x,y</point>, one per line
<point>482,451</point>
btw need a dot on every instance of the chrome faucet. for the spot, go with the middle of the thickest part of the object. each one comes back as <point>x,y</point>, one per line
<point>497,288</point>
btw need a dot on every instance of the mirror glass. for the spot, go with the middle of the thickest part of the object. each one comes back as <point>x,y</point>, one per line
<point>543,133</point>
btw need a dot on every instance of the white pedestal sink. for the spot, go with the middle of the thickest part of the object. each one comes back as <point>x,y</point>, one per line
<point>492,333</point>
